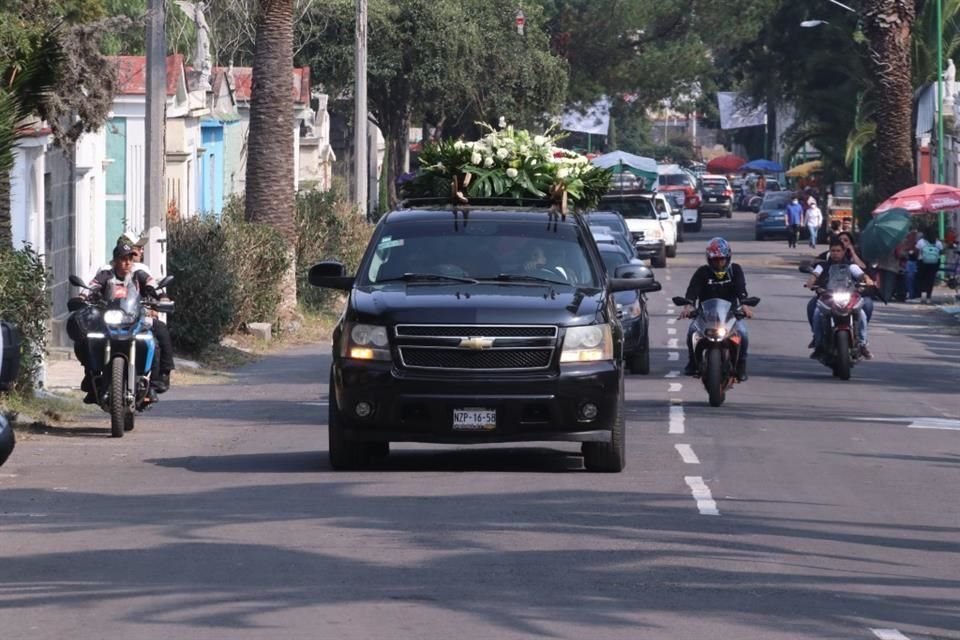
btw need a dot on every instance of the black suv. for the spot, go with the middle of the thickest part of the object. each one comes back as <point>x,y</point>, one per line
<point>476,325</point>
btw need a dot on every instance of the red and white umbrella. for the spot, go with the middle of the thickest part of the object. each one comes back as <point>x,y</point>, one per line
<point>923,198</point>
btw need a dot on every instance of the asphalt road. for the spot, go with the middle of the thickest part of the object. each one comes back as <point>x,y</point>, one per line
<point>805,507</point>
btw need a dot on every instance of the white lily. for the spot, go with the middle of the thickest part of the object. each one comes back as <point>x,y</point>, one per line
<point>512,173</point>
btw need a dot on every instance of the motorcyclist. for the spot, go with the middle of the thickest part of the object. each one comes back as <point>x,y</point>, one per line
<point>120,270</point>
<point>819,277</point>
<point>719,278</point>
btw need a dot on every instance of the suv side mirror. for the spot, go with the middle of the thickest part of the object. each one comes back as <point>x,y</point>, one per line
<point>630,277</point>
<point>331,275</point>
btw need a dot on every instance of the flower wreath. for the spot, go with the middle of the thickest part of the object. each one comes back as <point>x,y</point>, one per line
<point>508,163</point>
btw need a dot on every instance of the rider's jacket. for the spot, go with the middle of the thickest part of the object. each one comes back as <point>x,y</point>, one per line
<point>822,271</point>
<point>705,284</point>
<point>139,278</point>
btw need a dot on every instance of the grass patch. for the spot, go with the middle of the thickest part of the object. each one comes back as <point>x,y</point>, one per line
<point>45,410</point>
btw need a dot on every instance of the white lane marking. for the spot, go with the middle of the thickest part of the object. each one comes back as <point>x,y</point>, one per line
<point>686,452</point>
<point>671,331</point>
<point>889,634</point>
<point>315,404</point>
<point>701,493</point>
<point>672,374</point>
<point>674,387</point>
<point>671,321</point>
<point>676,419</point>
<point>672,343</point>
<point>673,356</point>
<point>945,424</point>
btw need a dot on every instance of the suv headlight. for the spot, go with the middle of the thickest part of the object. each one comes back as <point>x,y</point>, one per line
<point>591,343</point>
<point>365,342</point>
<point>631,310</point>
<point>657,234</point>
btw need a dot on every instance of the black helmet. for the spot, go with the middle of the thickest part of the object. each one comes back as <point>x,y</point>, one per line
<point>7,441</point>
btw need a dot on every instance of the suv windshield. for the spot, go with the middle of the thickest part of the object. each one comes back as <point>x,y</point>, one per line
<point>634,208</point>
<point>442,250</point>
<point>715,184</point>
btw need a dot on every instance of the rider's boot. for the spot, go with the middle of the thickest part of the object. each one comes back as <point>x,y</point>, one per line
<point>742,370</point>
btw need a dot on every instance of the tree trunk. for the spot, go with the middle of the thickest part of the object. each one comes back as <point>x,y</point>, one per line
<point>270,196</point>
<point>887,25</point>
<point>396,132</point>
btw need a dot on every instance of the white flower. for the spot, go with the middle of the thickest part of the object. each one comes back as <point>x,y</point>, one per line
<point>539,141</point>
<point>523,150</point>
<point>563,172</point>
<point>503,122</point>
<point>458,145</point>
<point>488,162</point>
<point>502,153</point>
<point>512,173</point>
<point>476,158</point>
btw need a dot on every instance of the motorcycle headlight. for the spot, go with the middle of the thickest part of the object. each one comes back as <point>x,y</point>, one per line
<point>366,342</point>
<point>591,343</point>
<point>842,298</point>
<point>113,316</point>
<point>717,333</point>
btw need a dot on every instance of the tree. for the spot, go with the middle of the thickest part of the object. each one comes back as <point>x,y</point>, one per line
<point>270,180</point>
<point>887,25</point>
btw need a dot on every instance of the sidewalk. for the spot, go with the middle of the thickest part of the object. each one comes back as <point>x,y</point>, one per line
<point>62,372</point>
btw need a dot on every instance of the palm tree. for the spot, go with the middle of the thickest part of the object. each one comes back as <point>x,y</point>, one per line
<point>887,25</point>
<point>270,195</point>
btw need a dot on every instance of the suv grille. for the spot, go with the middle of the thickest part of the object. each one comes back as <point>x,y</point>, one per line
<point>476,347</point>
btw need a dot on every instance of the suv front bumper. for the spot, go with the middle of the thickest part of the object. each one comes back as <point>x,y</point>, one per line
<point>651,249</point>
<point>418,406</point>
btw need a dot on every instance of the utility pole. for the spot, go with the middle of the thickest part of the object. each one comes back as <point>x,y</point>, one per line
<point>360,168</point>
<point>155,213</point>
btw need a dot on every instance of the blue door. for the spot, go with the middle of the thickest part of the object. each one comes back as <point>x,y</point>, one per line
<point>210,197</point>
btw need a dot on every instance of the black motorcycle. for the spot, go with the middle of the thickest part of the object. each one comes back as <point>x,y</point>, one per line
<point>716,343</point>
<point>121,352</point>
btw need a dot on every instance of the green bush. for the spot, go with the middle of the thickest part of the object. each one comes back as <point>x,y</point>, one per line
<point>328,228</point>
<point>204,283</point>
<point>25,301</point>
<point>258,257</point>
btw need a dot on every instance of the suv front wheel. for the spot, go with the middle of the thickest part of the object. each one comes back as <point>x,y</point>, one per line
<point>608,457</point>
<point>346,454</point>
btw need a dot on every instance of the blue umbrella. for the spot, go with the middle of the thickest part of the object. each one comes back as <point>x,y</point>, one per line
<point>762,165</point>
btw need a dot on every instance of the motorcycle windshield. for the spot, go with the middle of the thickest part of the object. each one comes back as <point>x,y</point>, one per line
<point>714,312</point>
<point>839,278</point>
<point>123,295</point>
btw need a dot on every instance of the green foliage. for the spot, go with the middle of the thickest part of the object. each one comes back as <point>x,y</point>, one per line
<point>328,228</point>
<point>204,285</point>
<point>24,301</point>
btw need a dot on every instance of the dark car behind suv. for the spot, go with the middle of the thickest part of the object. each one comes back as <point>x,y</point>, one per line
<point>475,325</point>
<point>716,196</point>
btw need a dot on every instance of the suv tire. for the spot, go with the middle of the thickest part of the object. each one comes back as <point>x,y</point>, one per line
<point>608,457</point>
<point>344,454</point>
<point>660,261</point>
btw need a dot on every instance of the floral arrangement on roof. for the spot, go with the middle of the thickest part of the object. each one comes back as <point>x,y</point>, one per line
<point>508,163</point>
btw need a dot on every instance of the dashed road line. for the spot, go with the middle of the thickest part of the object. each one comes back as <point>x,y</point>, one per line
<point>677,420</point>
<point>672,343</point>
<point>671,321</point>
<point>671,331</point>
<point>701,493</point>
<point>889,634</point>
<point>674,387</point>
<point>687,454</point>
<point>673,356</point>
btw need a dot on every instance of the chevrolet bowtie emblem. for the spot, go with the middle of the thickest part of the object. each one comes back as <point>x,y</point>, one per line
<point>476,343</point>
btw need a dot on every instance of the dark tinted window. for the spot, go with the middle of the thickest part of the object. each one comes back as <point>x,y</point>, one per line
<point>607,219</point>
<point>479,249</point>
<point>613,259</point>
<point>715,184</point>
<point>638,209</point>
<point>777,200</point>
<point>674,179</point>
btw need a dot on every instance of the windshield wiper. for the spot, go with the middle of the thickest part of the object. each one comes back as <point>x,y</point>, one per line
<point>514,277</point>
<point>428,277</point>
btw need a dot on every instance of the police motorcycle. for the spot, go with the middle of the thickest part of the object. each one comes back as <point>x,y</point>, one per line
<point>716,342</point>
<point>839,303</point>
<point>121,349</point>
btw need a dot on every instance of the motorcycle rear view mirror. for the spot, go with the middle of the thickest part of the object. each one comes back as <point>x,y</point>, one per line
<point>164,282</point>
<point>77,282</point>
<point>752,301</point>
<point>682,302</point>
<point>164,306</point>
<point>805,267</point>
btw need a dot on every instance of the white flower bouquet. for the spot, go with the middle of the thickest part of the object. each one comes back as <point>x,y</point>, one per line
<point>509,164</point>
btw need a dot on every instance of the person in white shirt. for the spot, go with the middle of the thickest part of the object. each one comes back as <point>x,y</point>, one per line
<point>813,218</point>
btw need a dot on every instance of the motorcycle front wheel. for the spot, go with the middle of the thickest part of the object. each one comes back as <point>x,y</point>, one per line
<point>841,362</point>
<point>118,397</point>
<point>713,380</point>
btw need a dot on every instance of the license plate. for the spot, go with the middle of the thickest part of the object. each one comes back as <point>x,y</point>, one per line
<point>474,419</point>
<point>711,199</point>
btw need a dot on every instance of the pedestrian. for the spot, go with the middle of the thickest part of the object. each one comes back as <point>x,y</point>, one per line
<point>792,219</point>
<point>761,184</point>
<point>929,249</point>
<point>889,268</point>
<point>814,218</point>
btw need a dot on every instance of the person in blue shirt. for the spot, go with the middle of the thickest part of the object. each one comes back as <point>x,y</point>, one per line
<point>793,219</point>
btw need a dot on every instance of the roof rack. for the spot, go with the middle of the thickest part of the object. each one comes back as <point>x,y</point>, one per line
<point>478,202</point>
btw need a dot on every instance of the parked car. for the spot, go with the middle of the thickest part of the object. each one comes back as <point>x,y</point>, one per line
<point>674,179</point>
<point>478,324</point>
<point>606,235</point>
<point>716,195</point>
<point>771,217</point>
<point>652,227</point>
<point>631,310</point>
